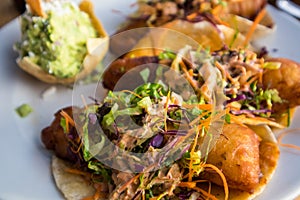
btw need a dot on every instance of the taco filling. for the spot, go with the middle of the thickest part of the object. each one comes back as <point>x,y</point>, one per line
<point>158,140</point>
<point>246,18</point>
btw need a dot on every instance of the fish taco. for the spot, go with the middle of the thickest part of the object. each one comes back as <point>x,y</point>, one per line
<point>170,142</point>
<point>227,21</point>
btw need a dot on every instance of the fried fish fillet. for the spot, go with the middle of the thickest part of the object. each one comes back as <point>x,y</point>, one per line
<point>286,80</point>
<point>236,153</point>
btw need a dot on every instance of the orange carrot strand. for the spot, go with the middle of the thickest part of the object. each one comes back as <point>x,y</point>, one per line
<point>124,186</point>
<point>285,133</point>
<point>258,18</point>
<point>222,176</point>
<point>67,117</point>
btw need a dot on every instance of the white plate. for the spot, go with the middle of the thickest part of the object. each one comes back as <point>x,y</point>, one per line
<point>24,164</point>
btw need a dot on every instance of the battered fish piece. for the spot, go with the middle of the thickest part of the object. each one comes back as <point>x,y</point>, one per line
<point>123,65</point>
<point>54,138</point>
<point>286,80</point>
<point>236,153</point>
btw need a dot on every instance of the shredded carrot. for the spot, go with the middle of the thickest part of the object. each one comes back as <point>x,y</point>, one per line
<point>191,72</point>
<point>204,106</point>
<point>216,12</point>
<point>67,116</point>
<point>97,195</point>
<point>76,171</point>
<point>222,176</point>
<point>198,119</point>
<point>124,186</point>
<point>193,186</point>
<point>220,21</point>
<point>191,16</point>
<point>133,93</point>
<point>224,72</point>
<point>78,149</point>
<point>292,146</point>
<point>84,102</point>
<point>188,76</point>
<point>199,106</point>
<point>282,135</point>
<point>254,78</point>
<point>221,68</point>
<point>209,187</point>
<point>191,160</point>
<point>187,184</point>
<point>257,19</point>
<point>68,119</point>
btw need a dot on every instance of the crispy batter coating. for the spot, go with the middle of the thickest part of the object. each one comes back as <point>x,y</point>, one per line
<point>54,138</point>
<point>236,153</point>
<point>286,80</point>
<point>122,66</point>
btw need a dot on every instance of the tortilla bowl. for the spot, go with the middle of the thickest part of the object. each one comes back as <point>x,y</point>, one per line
<point>96,50</point>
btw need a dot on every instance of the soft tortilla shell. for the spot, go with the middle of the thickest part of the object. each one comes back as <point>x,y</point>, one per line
<point>72,186</point>
<point>90,61</point>
<point>178,33</point>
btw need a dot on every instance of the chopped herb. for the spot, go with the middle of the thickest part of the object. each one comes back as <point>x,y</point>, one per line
<point>227,119</point>
<point>24,110</point>
<point>289,117</point>
<point>141,181</point>
<point>271,65</point>
<point>167,55</point>
<point>63,124</point>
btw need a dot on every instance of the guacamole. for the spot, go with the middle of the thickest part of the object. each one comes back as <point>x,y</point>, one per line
<point>57,43</point>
